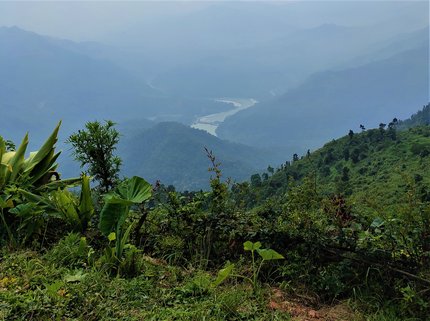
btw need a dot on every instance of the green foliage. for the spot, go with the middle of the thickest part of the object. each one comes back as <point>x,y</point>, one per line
<point>421,118</point>
<point>32,172</point>
<point>23,183</point>
<point>265,254</point>
<point>76,212</point>
<point>355,225</point>
<point>421,149</point>
<point>94,148</point>
<point>72,251</point>
<point>117,204</point>
<point>34,288</point>
<point>173,154</point>
<point>113,220</point>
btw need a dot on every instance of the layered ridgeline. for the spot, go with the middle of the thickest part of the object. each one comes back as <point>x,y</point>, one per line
<point>374,168</point>
<point>45,79</point>
<point>261,49</point>
<point>329,103</point>
<point>175,154</point>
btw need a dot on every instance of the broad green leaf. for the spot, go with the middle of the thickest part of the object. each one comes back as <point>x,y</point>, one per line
<point>66,204</point>
<point>63,183</point>
<point>115,211</point>
<point>117,199</point>
<point>110,216</point>
<point>3,167</point>
<point>45,166</point>
<point>24,209</point>
<point>135,190</point>
<point>2,147</point>
<point>35,198</point>
<point>6,157</point>
<point>249,246</point>
<point>17,160</point>
<point>112,236</point>
<point>44,150</point>
<point>6,203</point>
<point>377,222</point>
<point>3,171</point>
<point>77,277</point>
<point>121,245</point>
<point>86,208</point>
<point>269,254</point>
<point>223,274</point>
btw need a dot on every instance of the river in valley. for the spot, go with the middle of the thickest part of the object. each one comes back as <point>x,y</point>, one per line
<point>211,122</point>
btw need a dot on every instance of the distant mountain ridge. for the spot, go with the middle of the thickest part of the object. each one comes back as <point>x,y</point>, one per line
<point>332,102</point>
<point>44,79</point>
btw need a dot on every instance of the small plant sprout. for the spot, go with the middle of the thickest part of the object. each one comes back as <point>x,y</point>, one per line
<point>265,254</point>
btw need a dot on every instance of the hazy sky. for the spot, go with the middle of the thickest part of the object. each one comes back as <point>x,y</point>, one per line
<point>97,20</point>
<point>87,20</point>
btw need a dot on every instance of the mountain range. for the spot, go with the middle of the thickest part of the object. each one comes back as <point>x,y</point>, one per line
<point>330,103</point>
<point>314,81</point>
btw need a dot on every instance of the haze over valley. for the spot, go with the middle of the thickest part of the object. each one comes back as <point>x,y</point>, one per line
<point>255,82</point>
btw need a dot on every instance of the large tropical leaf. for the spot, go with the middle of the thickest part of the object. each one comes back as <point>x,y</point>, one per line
<point>132,191</point>
<point>44,151</point>
<point>117,204</point>
<point>44,167</point>
<point>110,216</point>
<point>223,274</point>
<point>65,202</point>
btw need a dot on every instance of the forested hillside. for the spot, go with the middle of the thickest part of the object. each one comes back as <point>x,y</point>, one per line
<point>371,167</point>
<point>175,154</point>
<point>421,118</point>
<point>340,233</point>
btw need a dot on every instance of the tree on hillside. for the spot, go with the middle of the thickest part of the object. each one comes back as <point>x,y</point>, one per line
<point>392,129</point>
<point>94,148</point>
<point>256,180</point>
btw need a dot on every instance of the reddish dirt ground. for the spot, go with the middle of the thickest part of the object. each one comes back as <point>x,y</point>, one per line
<point>300,311</point>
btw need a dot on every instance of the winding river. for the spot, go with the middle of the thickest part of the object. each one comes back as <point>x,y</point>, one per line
<point>211,122</point>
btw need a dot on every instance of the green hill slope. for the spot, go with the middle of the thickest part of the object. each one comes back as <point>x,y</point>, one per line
<point>375,167</point>
<point>174,153</point>
<point>422,117</point>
